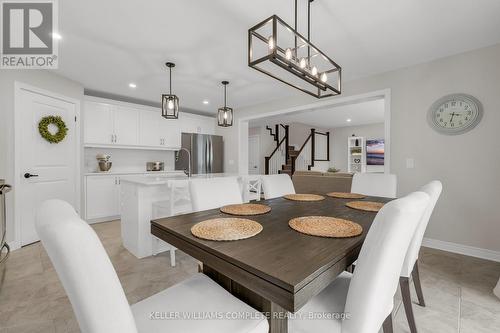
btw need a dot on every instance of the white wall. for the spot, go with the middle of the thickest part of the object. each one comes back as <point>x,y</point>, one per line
<point>467,164</point>
<point>338,143</point>
<point>44,79</point>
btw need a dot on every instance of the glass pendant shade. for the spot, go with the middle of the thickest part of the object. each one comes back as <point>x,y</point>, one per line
<point>170,106</point>
<point>170,102</point>
<point>225,117</point>
<point>225,114</point>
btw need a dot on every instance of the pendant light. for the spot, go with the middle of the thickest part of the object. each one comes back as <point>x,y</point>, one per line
<point>169,102</point>
<point>291,58</point>
<point>225,114</point>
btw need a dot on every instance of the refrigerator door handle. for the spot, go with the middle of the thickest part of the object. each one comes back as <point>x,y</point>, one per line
<point>209,154</point>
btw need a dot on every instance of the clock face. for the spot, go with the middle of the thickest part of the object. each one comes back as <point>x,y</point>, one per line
<point>455,114</point>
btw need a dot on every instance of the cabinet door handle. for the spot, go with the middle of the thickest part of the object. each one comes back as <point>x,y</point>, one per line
<point>116,138</point>
<point>112,138</point>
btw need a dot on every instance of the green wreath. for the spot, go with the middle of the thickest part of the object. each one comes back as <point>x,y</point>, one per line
<point>43,128</point>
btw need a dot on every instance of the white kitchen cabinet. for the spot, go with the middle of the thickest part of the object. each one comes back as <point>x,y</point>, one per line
<point>170,132</point>
<point>102,197</point>
<point>110,123</point>
<point>125,124</point>
<point>107,124</point>
<point>191,123</point>
<point>98,123</point>
<point>149,129</point>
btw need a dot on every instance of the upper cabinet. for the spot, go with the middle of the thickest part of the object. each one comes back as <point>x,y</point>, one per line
<point>126,126</point>
<point>123,125</point>
<point>98,123</point>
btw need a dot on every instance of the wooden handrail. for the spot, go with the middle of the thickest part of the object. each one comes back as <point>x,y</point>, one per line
<point>285,139</point>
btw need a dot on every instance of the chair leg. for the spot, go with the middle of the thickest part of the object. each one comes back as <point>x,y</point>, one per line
<point>418,286</point>
<point>387,325</point>
<point>172,256</point>
<point>156,245</point>
<point>404,282</point>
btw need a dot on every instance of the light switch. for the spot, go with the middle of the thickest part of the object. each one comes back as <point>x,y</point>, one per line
<point>410,163</point>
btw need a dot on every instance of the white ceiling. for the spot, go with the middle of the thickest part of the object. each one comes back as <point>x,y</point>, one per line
<point>364,113</point>
<point>108,44</point>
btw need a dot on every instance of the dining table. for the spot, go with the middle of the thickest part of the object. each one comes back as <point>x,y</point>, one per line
<point>278,270</point>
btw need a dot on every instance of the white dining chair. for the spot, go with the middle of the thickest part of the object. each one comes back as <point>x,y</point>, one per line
<point>365,298</point>
<point>99,301</point>
<point>275,186</point>
<point>410,265</point>
<point>179,202</point>
<point>215,192</point>
<point>251,187</point>
<point>375,184</point>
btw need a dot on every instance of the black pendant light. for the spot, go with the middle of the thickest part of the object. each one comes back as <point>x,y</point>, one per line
<point>278,50</point>
<point>169,102</point>
<point>225,114</point>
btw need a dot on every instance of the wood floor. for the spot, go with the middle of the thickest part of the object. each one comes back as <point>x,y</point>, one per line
<point>457,289</point>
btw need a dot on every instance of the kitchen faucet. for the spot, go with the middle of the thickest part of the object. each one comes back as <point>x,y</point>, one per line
<point>188,173</point>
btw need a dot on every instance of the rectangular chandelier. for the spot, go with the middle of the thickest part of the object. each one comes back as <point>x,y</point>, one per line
<point>277,50</point>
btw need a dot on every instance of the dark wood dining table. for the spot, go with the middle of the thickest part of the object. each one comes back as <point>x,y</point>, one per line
<point>279,270</point>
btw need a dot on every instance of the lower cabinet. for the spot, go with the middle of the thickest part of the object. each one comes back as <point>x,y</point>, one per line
<point>102,196</point>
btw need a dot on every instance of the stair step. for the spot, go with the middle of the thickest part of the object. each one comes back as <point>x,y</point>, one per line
<point>288,172</point>
<point>286,167</point>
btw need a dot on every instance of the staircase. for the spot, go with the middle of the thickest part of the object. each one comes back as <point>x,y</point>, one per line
<point>288,167</point>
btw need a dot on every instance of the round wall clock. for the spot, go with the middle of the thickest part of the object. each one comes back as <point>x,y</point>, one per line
<point>455,114</point>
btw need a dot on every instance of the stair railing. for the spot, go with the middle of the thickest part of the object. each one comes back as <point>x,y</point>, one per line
<point>306,156</point>
<point>279,156</point>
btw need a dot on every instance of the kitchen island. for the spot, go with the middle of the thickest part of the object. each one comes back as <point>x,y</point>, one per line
<point>148,197</point>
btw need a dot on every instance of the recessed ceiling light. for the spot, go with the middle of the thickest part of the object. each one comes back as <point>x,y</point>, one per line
<point>348,120</point>
<point>56,36</point>
<point>132,85</point>
<point>205,102</point>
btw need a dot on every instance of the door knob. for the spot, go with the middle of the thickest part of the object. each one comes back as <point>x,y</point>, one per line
<point>29,175</point>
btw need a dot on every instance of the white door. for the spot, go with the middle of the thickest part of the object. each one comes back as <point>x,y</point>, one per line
<point>98,123</point>
<point>102,197</point>
<point>44,170</point>
<point>149,128</point>
<point>253,155</point>
<point>126,121</point>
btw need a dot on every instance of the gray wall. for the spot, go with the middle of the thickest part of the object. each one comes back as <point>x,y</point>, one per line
<point>43,79</point>
<point>467,164</point>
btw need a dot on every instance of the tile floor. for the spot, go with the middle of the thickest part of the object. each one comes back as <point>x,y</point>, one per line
<point>457,288</point>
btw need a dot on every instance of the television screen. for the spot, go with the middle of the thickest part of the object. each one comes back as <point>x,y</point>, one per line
<point>375,152</point>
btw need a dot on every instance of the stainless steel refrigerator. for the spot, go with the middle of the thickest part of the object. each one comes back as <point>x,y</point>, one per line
<point>206,153</point>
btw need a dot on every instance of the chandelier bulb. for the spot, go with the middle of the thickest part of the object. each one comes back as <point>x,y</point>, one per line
<point>314,71</point>
<point>225,115</point>
<point>288,54</point>
<point>170,104</point>
<point>303,63</point>
<point>271,43</point>
<point>323,77</point>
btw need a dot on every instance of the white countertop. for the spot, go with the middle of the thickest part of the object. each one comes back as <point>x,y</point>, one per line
<point>125,173</point>
<point>151,180</point>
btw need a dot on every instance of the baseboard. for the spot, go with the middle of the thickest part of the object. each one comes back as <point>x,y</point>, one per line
<point>103,219</point>
<point>14,245</point>
<point>462,249</point>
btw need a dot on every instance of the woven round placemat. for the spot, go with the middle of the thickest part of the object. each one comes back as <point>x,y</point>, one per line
<point>247,209</point>
<point>368,206</point>
<point>346,195</point>
<point>226,229</point>
<point>304,197</point>
<point>325,226</point>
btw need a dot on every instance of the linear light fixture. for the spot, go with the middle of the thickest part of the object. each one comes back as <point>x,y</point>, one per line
<point>278,50</point>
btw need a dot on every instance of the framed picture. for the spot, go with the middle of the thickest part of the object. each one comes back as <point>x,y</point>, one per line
<point>375,150</point>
